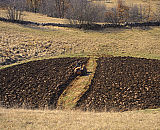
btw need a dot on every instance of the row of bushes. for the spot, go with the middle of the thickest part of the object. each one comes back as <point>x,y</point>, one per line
<point>83,11</point>
<point>86,26</point>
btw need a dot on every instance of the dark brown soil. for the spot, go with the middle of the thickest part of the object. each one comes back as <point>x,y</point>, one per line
<point>123,83</point>
<point>36,84</point>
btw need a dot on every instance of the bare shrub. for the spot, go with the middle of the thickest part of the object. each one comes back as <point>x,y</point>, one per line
<point>145,13</point>
<point>84,12</point>
<point>3,4</point>
<point>15,9</point>
<point>122,11</point>
<point>61,7</point>
<point>52,8</point>
<point>34,5</point>
<point>157,14</point>
<point>14,14</point>
<point>111,16</point>
<point>118,14</point>
<point>135,13</point>
<point>139,13</point>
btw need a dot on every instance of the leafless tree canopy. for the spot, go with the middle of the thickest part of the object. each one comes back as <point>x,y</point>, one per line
<point>82,11</point>
<point>14,9</point>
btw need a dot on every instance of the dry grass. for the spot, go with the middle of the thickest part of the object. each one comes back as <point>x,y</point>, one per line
<point>56,119</point>
<point>26,42</point>
<point>39,18</point>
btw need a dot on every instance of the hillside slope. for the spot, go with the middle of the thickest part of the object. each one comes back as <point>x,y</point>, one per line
<point>20,42</point>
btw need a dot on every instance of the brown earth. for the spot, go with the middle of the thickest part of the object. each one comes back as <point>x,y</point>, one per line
<point>119,84</point>
<point>36,84</point>
<point>123,83</point>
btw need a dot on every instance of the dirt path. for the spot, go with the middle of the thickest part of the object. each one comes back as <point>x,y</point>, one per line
<point>77,88</point>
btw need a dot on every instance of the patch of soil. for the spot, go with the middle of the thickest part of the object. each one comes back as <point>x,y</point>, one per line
<point>36,84</point>
<point>123,83</point>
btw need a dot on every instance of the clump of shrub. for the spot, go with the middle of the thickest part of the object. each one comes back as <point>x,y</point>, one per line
<point>14,9</point>
<point>84,12</point>
<point>14,14</point>
<point>123,13</point>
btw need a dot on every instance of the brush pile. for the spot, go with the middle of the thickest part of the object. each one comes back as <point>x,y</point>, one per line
<point>36,84</point>
<point>123,83</point>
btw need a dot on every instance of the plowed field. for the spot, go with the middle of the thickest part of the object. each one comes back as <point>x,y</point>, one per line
<point>123,83</point>
<point>36,84</point>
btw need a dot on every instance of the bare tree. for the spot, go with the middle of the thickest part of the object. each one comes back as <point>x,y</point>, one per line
<point>85,12</point>
<point>61,7</point>
<point>118,14</point>
<point>34,5</point>
<point>53,8</point>
<point>135,13</point>
<point>111,16</point>
<point>14,9</point>
<point>157,14</point>
<point>3,3</point>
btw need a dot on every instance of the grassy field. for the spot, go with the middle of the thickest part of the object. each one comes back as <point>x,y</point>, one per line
<point>19,42</point>
<point>12,119</point>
